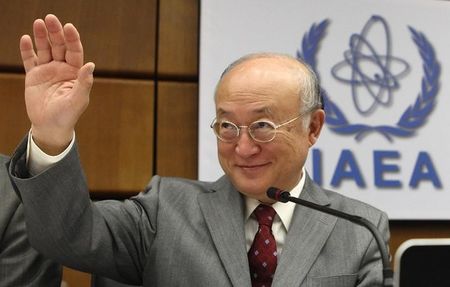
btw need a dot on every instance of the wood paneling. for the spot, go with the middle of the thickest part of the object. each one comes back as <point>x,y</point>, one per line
<point>177,129</point>
<point>178,39</point>
<point>118,35</point>
<point>14,123</point>
<point>115,135</point>
<point>74,278</point>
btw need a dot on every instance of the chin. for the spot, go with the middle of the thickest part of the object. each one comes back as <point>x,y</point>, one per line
<point>251,190</point>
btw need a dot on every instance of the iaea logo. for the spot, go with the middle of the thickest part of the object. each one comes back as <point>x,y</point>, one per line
<point>374,87</point>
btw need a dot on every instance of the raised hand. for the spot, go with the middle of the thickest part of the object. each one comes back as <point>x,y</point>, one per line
<point>57,84</point>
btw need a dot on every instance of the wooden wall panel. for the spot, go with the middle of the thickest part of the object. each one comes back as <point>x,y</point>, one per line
<point>74,278</point>
<point>115,135</point>
<point>177,131</point>
<point>14,123</point>
<point>118,35</point>
<point>178,39</point>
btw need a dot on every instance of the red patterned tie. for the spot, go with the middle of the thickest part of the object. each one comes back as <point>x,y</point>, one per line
<point>262,256</point>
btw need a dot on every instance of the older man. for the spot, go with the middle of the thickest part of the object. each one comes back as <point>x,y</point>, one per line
<point>183,232</point>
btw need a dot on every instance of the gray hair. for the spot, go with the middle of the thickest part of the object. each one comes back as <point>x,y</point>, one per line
<point>308,81</point>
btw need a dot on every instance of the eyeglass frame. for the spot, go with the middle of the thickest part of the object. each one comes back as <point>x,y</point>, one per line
<point>275,127</point>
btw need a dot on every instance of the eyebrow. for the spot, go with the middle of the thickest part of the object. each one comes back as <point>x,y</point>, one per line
<point>264,110</point>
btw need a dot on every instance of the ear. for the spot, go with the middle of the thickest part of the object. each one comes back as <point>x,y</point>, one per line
<point>315,126</point>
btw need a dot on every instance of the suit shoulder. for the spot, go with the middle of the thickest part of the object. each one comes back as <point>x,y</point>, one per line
<point>178,186</point>
<point>3,159</point>
<point>353,206</point>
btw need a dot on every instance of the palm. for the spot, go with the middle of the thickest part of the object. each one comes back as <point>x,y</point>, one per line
<point>57,84</point>
<point>49,95</point>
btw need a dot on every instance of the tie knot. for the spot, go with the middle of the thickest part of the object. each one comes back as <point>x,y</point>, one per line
<point>265,214</point>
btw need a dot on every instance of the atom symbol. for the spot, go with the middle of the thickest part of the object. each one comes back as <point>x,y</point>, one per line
<point>373,76</point>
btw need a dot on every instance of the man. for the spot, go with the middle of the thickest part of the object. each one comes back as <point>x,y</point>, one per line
<point>20,264</point>
<point>183,232</point>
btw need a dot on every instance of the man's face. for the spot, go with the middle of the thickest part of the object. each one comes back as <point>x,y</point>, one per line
<point>264,89</point>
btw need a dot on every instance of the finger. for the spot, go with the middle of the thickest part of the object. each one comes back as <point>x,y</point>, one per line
<point>85,79</point>
<point>27,53</point>
<point>56,36</point>
<point>43,48</point>
<point>74,48</point>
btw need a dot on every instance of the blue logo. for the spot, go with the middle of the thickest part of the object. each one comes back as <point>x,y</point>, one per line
<point>374,77</point>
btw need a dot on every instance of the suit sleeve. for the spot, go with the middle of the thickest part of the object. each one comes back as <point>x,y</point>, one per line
<point>108,238</point>
<point>20,264</point>
<point>371,267</point>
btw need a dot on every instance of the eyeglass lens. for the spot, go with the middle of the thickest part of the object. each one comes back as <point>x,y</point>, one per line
<point>262,131</point>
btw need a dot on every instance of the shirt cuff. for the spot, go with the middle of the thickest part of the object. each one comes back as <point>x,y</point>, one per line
<point>38,161</point>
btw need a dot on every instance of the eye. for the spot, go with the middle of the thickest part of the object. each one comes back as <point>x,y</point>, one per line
<point>226,125</point>
<point>262,125</point>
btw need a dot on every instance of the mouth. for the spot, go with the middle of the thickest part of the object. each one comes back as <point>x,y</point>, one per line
<point>252,167</point>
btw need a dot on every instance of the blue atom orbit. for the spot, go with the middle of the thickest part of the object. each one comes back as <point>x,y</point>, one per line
<point>371,78</point>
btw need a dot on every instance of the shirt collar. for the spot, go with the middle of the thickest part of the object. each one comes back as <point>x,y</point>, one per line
<point>285,211</point>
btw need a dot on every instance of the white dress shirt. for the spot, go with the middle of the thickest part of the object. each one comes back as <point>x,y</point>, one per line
<point>282,219</point>
<point>38,161</point>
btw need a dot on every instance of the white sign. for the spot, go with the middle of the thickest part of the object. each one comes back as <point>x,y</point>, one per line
<point>383,69</point>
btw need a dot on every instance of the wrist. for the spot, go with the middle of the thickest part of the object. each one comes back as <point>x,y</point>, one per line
<point>52,143</point>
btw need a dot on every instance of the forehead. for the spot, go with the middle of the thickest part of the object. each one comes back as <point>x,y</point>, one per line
<point>262,85</point>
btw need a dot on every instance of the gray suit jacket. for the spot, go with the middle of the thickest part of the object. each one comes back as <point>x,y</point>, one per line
<point>188,233</point>
<point>20,264</point>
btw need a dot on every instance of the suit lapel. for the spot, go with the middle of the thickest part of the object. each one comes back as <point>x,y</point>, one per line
<point>307,235</point>
<point>225,202</point>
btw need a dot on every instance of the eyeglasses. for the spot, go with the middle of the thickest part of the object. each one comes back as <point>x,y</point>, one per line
<point>262,131</point>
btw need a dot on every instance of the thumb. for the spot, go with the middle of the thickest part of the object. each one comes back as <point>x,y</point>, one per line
<point>85,79</point>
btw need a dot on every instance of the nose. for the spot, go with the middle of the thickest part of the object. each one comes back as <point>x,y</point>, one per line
<point>245,145</point>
